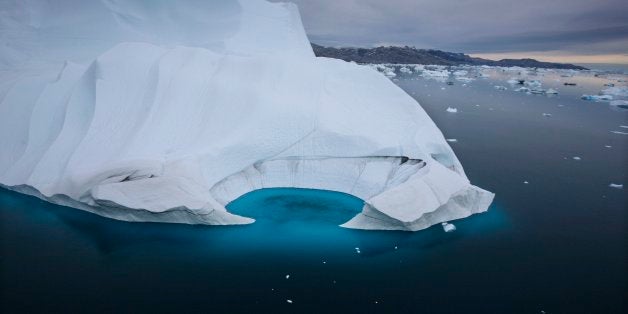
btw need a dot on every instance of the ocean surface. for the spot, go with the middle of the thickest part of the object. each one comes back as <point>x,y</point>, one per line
<point>555,239</point>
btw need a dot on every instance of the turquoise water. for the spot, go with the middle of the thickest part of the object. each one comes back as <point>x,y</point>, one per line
<point>557,244</point>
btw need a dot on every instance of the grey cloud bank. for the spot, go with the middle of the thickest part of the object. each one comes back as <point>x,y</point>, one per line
<point>480,26</point>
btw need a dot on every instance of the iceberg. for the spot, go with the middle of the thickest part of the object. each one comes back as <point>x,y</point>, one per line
<point>169,111</point>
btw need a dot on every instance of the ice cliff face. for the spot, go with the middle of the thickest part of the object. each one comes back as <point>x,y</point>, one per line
<point>168,110</point>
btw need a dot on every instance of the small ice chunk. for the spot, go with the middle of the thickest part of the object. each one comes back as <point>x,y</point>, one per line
<point>547,114</point>
<point>533,83</point>
<point>608,146</point>
<point>452,140</point>
<point>357,250</point>
<point>448,227</point>
<point>522,90</point>
<point>289,301</point>
<point>624,126</point>
<point>616,186</point>
<point>597,97</point>
<point>526,182</point>
<point>499,87</point>
<point>551,91</point>
<point>452,110</point>
<point>619,132</point>
<point>577,158</point>
<point>287,276</point>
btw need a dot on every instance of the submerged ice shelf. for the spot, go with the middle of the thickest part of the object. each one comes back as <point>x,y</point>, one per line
<point>169,117</point>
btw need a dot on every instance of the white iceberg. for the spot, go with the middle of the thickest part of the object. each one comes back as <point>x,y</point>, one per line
<point>168,112</point>
<point>452,110</point>
<point>616,186</point>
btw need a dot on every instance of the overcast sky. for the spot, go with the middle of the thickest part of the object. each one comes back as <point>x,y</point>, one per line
<point>576,27</point>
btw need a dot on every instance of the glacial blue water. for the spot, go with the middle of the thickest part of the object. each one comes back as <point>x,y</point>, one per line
<point>557,244</point>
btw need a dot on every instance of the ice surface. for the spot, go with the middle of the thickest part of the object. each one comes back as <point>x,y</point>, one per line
<point>452,110</point>
<point>167,112</point>
<point>616,186</point>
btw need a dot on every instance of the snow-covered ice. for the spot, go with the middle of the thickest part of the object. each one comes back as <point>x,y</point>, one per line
<point>169,112</point>
<point>616,186</point>
<point>452,110</point>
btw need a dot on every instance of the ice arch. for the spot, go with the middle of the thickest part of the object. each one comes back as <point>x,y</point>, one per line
<point>383,182</point>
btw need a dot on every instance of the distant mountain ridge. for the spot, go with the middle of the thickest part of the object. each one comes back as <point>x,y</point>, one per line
<point>413,55</point>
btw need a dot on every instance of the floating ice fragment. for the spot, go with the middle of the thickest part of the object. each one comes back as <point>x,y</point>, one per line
<point>616,186</point>
<point>289,301</point>
<point>448,227</point>
<point>551,91</point>
<point>621,91</point>
<point>452,110</point>
<point>522,90</point>
<point>577,158</point>
<point>452,140</point>
<point>597,97</point>
<point>547,114</point>
<point>608,146</point>
<point>287,276</point>
<point>619,132</point>
<point>526,182</point>
<point>624,126</point>
<point>464,79</point>
<point>533,83</point>
<point>499,87</point>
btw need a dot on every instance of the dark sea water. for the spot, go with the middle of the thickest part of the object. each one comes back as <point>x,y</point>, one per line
<point>558,244</point>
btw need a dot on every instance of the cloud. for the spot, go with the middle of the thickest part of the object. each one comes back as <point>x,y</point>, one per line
<point>471,25</point>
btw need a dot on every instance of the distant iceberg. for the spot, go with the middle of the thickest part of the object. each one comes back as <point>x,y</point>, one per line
<point>169,111</point>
